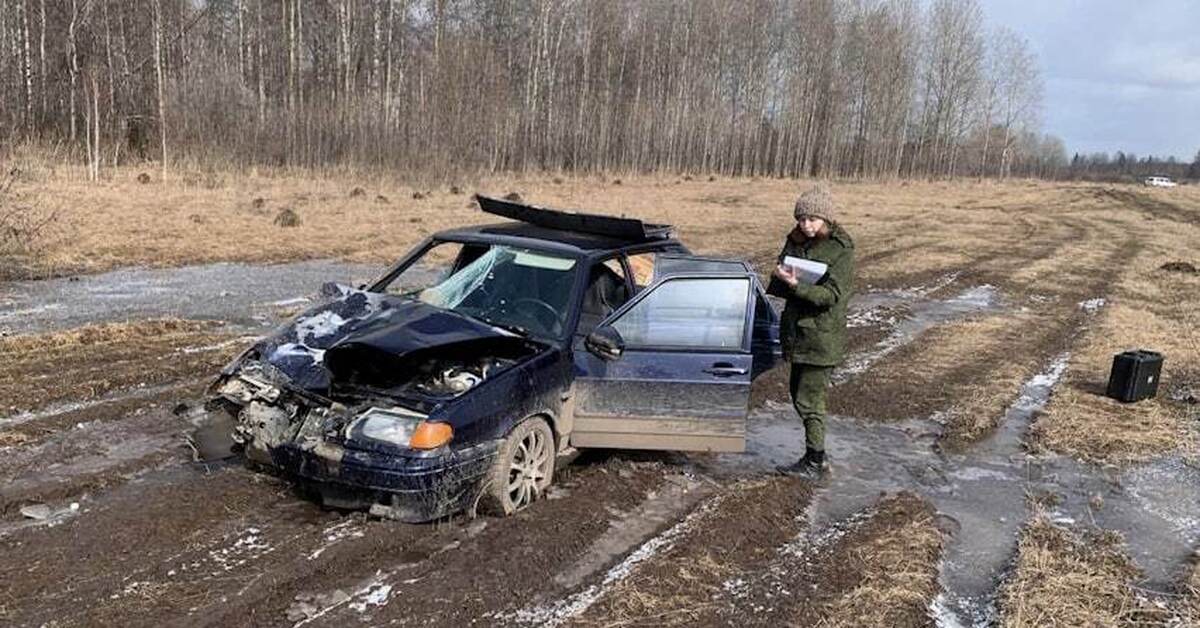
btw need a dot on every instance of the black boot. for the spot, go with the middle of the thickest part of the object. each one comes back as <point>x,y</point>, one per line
<point>811,467</point>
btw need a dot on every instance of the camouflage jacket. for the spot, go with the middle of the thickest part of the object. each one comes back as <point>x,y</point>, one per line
<point>813,326</point>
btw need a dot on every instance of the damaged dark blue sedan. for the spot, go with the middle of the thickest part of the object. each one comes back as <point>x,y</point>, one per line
<point>463,373</point>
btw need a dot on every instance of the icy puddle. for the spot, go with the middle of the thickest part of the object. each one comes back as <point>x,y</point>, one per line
<point>981,493</point>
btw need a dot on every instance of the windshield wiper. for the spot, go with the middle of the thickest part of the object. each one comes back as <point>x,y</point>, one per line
<point>516,329</point>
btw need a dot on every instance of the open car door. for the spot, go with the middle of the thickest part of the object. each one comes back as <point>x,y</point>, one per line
<point>671,369</point>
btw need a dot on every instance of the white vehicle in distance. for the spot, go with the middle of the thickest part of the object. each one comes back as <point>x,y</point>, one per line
<point>1159,182</point>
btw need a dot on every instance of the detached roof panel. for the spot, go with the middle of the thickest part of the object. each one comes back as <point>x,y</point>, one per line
<point>627,229</point>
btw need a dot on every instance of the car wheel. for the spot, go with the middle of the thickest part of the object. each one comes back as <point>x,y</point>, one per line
<point>523,469</point>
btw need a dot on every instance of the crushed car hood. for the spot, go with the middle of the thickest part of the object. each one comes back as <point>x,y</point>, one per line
<point>306,350</point>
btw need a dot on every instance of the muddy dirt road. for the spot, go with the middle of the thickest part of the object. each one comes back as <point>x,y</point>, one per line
<point>957,353</point>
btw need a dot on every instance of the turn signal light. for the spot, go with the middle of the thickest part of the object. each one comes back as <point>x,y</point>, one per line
<point>431,435</point>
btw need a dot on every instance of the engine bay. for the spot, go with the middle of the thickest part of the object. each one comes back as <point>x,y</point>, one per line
<point>453,378</point>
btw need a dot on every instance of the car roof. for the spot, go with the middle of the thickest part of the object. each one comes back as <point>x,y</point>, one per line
<point>577,243</point>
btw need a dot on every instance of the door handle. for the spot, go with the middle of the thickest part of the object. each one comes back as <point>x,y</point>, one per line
<point>725,369</point>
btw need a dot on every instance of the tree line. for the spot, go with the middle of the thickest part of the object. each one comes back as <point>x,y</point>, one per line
<point>848,88</point>
<point>1123,166</point>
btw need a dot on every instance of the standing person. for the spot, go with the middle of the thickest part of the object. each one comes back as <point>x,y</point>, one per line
<point>813,326</point>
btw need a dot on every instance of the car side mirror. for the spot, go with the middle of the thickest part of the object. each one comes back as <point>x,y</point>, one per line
<point>605,343</point>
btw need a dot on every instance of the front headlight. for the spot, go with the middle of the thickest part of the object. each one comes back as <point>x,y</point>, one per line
<point>389,425</point>
<point>401,427</point>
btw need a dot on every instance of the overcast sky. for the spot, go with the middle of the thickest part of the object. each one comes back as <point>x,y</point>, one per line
<point>1119,75</point>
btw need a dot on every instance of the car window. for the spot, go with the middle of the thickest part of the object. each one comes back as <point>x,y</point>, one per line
<point>699,313</point>
<point>671,265</point>
<point>642,267</point>
<point>434,266</point>
<point>606,292</point>
<point>522,289</point>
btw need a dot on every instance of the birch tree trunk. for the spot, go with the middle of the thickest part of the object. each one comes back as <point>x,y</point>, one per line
<point>158,75</point>
<point>28,68</point>
<point>42,63</point>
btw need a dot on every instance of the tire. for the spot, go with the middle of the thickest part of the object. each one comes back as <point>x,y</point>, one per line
<point>523,468</point>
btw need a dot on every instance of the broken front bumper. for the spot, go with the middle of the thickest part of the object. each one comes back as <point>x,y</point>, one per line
<point>411,488</point>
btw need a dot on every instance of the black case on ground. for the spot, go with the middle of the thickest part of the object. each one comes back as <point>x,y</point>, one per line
<point>1135,375</point>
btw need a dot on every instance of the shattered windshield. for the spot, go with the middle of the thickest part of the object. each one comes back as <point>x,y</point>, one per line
<point>522,290</point>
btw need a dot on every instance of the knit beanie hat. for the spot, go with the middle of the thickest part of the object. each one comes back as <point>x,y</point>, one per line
<point>817,202</point>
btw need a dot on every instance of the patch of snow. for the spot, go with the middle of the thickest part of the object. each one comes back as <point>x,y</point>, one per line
<point>1037,389</point>
<point>917,292</point>
<point>870,317</point>
<point>862,362</point>
<point>336,533</point>
<point>826,536</point>
<point>291,349</point>
<point>1091,306</point>
<point>287,302</point>
<point>248,546</point>
<point>735,588</point>
<point>318,326</point>
<point>376,595</point>
<point>978,297</point>
<point>74,406</point>
<point>942,616</point>
<point>375,592</point>
<point>20,314</point>
<point>214,347</point>
<point>972,474</point>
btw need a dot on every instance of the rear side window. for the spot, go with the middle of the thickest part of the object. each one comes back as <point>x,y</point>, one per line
<point>642,266</point>
<point>700,313</point>
<point>668,265</point>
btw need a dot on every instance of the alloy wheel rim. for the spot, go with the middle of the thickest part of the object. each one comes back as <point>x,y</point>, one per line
<point>527,470</point>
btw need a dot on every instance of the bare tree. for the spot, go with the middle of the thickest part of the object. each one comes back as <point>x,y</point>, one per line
<point>158,73</point>
<point>1019,92</point>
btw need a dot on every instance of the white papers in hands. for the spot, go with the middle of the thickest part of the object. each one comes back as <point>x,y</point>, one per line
<point>807,271</point>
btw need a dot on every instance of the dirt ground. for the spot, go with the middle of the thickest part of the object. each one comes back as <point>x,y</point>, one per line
<point>968,292</point>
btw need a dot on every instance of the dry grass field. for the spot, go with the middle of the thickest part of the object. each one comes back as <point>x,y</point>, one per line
<point>1064,579</point>
<point>1076,270</point>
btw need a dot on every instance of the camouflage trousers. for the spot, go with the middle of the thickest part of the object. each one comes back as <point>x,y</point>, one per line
<point>809,387</point>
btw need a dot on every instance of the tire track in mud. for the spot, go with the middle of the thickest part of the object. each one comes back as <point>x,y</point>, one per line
<point>748,556</point>
<point>1149,205</point>
<point>180,544</point>
<point>514,562</point>
<point>1041,235</point>
<point>90,362</point>
<point>895,388</point>
<point>877,567</point>
<point>66,450</point>
<point>75,459</point>
<point>675,577</point>
<point>152,548</point>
